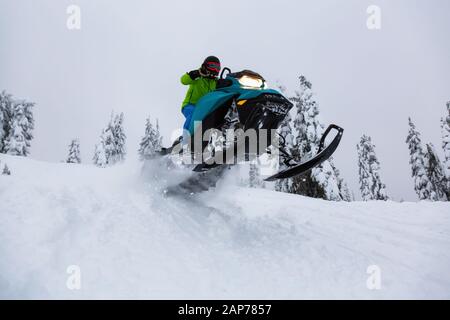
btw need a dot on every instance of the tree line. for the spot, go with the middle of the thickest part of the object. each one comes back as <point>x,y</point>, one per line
<point>111,146</point>
<point>301,131</point>
<point>16,126</point>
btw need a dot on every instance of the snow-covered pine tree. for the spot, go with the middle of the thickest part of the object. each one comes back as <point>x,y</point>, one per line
<point>28,125</point>
<point>114,140</point>
<point>6,106</point>
<point>151,142</point>
<point>109,144</point>
<point>369,171</point>
<point>422,184</point>
<point>119,139</point>
<point>15,143</point>
<point>100,155</point>
<point>159,137</point>
<point>446,147</point>
<point>285,132</point>
<point>6,171</point>
<point>322,182</point>
<point>111,148</point>
<point>2,127</point>
<point>364,176</point>
<point>345,192</point>
<point>17,125</point>
<point>74,155</point>
<point>435,173</point>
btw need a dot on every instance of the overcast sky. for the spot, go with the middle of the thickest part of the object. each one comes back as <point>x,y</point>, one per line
<point>129,55</point>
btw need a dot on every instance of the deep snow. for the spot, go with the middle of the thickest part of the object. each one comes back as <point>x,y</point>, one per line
<point>131,242</point>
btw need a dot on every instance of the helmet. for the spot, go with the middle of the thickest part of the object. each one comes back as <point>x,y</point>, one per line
<point>211,66</point>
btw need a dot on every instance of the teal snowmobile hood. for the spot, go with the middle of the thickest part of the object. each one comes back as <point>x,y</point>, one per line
<point>213,100</point>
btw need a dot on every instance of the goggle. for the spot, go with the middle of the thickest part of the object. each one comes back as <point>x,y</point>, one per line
<point>213,67</point>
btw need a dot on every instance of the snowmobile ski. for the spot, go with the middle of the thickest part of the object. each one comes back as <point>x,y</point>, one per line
<point>198,183</point>
<point>322,155</point>
<point>203,167</point>
<point>166,151</point>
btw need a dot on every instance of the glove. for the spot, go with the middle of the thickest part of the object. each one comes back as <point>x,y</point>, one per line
<point>194,74</point>
<point>203,72</point>
<point>223,83</point>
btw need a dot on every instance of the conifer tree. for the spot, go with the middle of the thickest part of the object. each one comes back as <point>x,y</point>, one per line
<point>6,171</point>
<point>422,184</point>
<point>286,138</point>
<point>17,125</point>
<point>322,181</point>
<point>15,143</point>
<point>74,152</point>
<point>345,192</point>
<point>369,171</point>
<point>446,148</point>
<point>435,173</point>
<point>119,138</point>
<point>6,109</point>
<point>111,148</point>
<point>151,142</point>
<point>100,155</point>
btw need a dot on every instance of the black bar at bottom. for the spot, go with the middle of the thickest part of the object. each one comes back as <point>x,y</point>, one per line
<point>223,309</point>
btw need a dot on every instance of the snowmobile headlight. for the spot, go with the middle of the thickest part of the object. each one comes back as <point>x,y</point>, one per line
<point>251,82</point>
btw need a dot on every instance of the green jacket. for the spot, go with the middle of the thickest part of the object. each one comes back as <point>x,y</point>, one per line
<point>197,88</point>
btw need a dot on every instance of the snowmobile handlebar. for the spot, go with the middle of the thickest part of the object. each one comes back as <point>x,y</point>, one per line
<point>223,72</point>
<point>325,134</point>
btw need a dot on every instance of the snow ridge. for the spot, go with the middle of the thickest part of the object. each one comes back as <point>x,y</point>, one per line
<point>132,242</point>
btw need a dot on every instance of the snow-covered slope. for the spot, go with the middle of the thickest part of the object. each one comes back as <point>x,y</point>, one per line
<point>131,242</point>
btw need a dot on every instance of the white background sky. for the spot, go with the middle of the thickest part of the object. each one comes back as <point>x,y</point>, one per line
<point>129,55</point>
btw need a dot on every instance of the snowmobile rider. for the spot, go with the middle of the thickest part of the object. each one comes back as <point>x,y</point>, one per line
<point>200,82</point>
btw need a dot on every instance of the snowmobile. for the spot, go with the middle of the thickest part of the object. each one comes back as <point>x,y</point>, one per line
<point>242,102</point>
